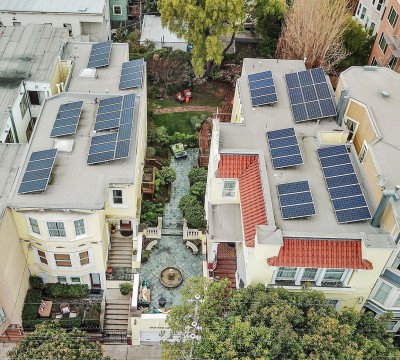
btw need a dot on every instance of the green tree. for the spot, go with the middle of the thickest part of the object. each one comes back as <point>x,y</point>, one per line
<point>260,323</point>
<point>198,189</point>
<point>50,341</point>
<point>202,24</point>
<point>167,175</point>
<point>197,174</point>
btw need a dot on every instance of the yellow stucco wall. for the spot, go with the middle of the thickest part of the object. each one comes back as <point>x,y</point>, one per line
<point>14,273</point>
<point>215,194</point>
<point>138,324</point>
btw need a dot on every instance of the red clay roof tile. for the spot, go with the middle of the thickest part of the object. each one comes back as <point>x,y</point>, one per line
<point>246,169</point>
<point>337,254</point>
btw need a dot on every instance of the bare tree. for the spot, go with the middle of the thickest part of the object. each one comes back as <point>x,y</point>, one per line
<point>314,30</point>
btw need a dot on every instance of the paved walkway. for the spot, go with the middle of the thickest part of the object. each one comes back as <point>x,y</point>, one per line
<point>171,251</point>
<point>128,352</point>
<point>4,348</point>
<point>211,109</point>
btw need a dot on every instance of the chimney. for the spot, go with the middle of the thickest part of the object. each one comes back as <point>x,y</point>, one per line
<point>387,194</point>
<point>341,107</point>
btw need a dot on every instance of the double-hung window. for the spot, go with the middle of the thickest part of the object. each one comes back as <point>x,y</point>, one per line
<point>42,257</point>
<point>34,226</point>
<point>63,260</point>
<point>382,293</point>
<point>84,258</point>
<point>392,17</point>
<point>382,43</point>
<point>117,197</point>
<point>79,227</point>
<point>393,62</point>
<point>229,188</point>
<point>56,229</point>
<point>117,10</point>
<point>333,274</point>
<point>286,273</point>
<point>309,274</point>
<point>379,6</point>
<point>62,279</point>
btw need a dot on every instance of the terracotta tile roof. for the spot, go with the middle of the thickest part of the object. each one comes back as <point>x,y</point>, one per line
<point>246,169</point>
<point>338,254</point>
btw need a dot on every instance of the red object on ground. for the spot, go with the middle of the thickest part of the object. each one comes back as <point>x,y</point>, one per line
<point>187,93</point>
<point>179,97</point>
<point>187,99</point>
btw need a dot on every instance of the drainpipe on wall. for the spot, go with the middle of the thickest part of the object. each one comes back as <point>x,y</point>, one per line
<point>387,194</point>
<point>341,107</point>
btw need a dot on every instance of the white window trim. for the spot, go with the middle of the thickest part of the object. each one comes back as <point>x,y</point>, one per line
<point>3,316</point>
<point>90,256</point>
<point>30,232</point>
<point>388,300</point>
<point>84,226</point>
<point>57,237</point>
<point>111,196</point>
<point>63,267</point>
<point>115,6</point>
<point>363,152</point>
<point>233,192</point>
<point>37,257</point>
<point>338,301</point>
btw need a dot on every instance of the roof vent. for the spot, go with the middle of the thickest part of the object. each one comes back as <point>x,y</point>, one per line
<point>370,68</point>
<point>385,94</point>
<point>64,145</point>
<point>88,73</point>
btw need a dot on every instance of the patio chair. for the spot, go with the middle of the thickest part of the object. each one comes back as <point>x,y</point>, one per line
<point>45,308</point>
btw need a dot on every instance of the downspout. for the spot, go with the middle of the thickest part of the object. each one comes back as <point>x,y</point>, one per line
<point>387,194</point>
<point>341,107</point>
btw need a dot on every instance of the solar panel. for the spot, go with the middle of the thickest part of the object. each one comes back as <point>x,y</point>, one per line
<point>309,95</point>
<point>113,113</point>
<point>344,189</point>
<point>67,119</point>
<point>295,200</point>
<point>100,54</point>
<point>262,88</point>
<point>37,172</point>
<point>131,74</point>
<point>284,148</point>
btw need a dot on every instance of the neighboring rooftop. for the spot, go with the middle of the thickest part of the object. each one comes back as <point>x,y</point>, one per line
<point>153,30</point>
<point>11,157</point>
<point>366,87</point>
<point>73,183</point>
<point>51,6</point>
<point>251,137</point>
<point>225,222</point>
<point>26,53</point>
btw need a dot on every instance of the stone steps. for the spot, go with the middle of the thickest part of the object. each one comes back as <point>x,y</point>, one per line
<point>120,254</point>
<point>116,316</point>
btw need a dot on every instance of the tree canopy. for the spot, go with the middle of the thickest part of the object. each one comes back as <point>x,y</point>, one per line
<point>50,341</point>
<point>260,323</point>
<point>202,24</point>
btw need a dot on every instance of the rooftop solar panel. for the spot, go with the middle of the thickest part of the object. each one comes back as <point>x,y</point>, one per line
<point>67,119</point>
<point>262,88</point>
<point>100,54</point>
<point>38,171</point>
<point>309,95</point>
<point>344,189</point>
<point>131,74</point>
<point>295,200</point>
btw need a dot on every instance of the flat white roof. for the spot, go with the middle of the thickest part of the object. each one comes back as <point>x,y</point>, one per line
<point>54,6</point>
<point>153,30</point>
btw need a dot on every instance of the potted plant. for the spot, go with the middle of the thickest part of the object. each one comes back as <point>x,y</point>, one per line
<point>113,227</point>
<point>125,288</point>
<point>109,270</point>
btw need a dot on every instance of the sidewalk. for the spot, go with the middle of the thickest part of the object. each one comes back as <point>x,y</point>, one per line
<point>128,352</point>
<point>4,348</point>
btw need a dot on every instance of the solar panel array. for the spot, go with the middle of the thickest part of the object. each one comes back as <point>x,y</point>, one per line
<point>131,74</point>
<point>37,172</point>
<point>67,119</point>
<point>344,189</point>
<point>284,148</point>
<point>100,54</point>
<point>114,145</point>
<point>262,88</point>
<point>108,113</point>
<point>309,95</point>
<point>295,200</point>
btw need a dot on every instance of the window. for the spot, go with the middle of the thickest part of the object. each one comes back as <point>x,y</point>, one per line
<point>373,2</point>
<point>391,325</point>
<point>363,152</point>
<point>30,127</point>
<point>228,189</point>
<point>309,274</point>
<point>69,27</point>
<point>332,302</point>
<point>23,105</point>
<point>382,293</point>
<point>393,62</point>
<point>42,257</point>
<point>56,229</point>
<point>363,12</point>
<point>79,227</point>
<point>34,97</point>
<point>374,62</point>
<point>396,262</point>
<point>397,302</point>
<point>372,27</point>
<point>392,17</point>
<point>3,316</point>
<point>358,9</point>
<point>117,10</point>
<point>63,260</point>
<point>379,6</point>
<point>62,279</point>
<point>333,274</point>
<point>84,258</point>
<point>9,138</point>
<point>286,273</point>
<point>34,226</point>
<point>117,197</point>
<point>76,280</point>
<point>382,43</point>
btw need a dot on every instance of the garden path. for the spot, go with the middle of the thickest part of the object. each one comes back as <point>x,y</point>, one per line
<point>211,109</point>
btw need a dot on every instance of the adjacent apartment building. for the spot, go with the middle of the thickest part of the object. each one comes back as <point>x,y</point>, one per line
<point>290,195</point>
<point>86,20</point>
<point>386,50</point>
<point>31,70</point>
<point>370,13</point>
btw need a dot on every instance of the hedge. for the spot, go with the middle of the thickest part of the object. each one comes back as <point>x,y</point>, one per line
<point>59,290</point>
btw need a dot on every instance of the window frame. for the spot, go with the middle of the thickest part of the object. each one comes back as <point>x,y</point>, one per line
<point>78,228</point>
<point>309,278</point>
<point>117,197</point>
<point>62,279</point>
<point>363,13</point>
<point>382,284</point>
<point>76,282</point>
<point>30,127</point>
<point>3,316</point>
<point>374,62</point>
<point>120,8</point>
<point>286,268</point>
<point>383,41</point>
<point>229,192</point>
<point>393,65</point>
<point>343,273</point>
<point>329,302</point>
<point>32,227</point>
<point>363,152</point>
<point>63,261</point>
<point>396,17</point>
<point>60,229</point>
<point>42,257</point>
<point>379,5</point>
<point>83,259</point>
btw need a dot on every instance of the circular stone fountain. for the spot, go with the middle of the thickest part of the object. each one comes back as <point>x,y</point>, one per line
<point>171,277</point>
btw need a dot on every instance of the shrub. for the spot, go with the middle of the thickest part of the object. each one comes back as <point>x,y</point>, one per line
<point>150,213</point>
<point>145,255</point>
<point>69,323</point>
<point>126,288</point>
<point>33,299</point>
<point>187,201</point>
<point>167,175</point>
<point>197,174</point>
<point>198,189</point>
<point>91,319</point>
<point>197,121</point>
<point>189,140</point>
<point>150,152</point>
<point>36,282</point>
<point>195,216</point>
<point>59,290</point>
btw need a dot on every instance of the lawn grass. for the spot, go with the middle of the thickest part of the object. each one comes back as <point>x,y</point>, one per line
<point>177,122</point>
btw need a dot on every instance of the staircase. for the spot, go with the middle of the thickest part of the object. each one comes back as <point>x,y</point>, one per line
<point>116,315</point>
<point>226,263</point>
<point>120,254</point>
